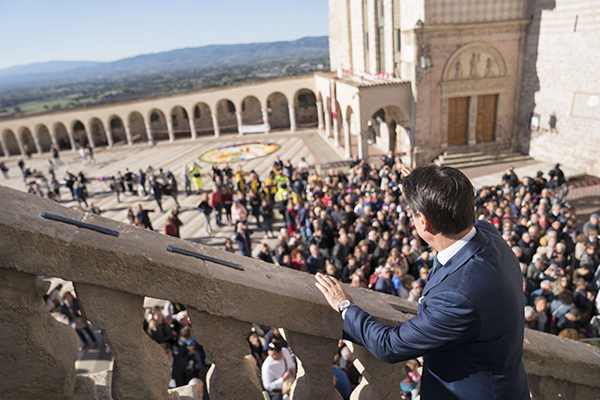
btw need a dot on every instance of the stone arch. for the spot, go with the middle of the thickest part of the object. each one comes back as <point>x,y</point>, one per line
<point>11,143</point>
<point>474,61</point>
<point>251,111</point>
<point>203,119</point>
<point>27,140</point>
<point>137,127</point>
<point>385,123</point>
<point>62,137</point>
<point>278,110</point>
<point>79,133</point>
<point>44,138</point>
<point>117,130</point>
<point>226,115</point>
<point>180,122</point>
<point>2,149</point>
<point>98,132</point>
<point>158,125</point>
<point>305,105</point>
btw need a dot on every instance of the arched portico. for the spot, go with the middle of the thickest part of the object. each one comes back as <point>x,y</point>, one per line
<point>63,139</point>
<point>305,108</point>
<point>251,111</point>
<point>118,132</point>
<point>98,132</point>
<point>137,128</point>
<point>80,134</point>
<point>10,143</point>
<point>158,125</point>
<point>180,123</point>
<point>203,121</point>
<point>28,142</point>
<point>227,117</point>
<point>44,138</point>
<point>385,129</point>
<point>278,111</point>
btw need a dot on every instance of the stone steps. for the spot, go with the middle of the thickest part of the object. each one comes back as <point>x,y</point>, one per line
<point>477,158</point>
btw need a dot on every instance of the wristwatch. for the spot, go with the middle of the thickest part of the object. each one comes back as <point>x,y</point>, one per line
<point>344,305</point>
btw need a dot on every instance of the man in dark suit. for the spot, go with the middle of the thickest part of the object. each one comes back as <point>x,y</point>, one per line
<point>470,320</point>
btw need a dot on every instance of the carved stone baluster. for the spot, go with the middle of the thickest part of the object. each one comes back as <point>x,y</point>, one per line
<point>380,380</point>
<point>225,345</point>
<point>37,353</point>
<point>314,378</point>
<point>141,368</point>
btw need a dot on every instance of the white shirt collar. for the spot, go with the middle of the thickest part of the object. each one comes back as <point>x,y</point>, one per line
<point>446,254</point>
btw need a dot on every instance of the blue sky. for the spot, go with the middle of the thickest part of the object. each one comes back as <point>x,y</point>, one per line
<point>107,30</point>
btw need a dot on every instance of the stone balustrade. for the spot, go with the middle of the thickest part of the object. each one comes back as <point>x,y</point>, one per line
<point>112,273</point>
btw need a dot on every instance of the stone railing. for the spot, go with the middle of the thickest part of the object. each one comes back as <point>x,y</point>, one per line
<point>113,272</point>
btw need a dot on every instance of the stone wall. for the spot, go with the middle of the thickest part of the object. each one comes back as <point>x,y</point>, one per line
<point>561,83</point>
<point>468,11</point>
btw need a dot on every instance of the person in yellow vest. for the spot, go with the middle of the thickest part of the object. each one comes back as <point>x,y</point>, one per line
<point>270,188</point>
<point>196,177</point>
<point>240,180</point>
<point>283,186</point>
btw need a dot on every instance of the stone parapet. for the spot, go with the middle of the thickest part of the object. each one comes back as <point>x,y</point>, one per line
<point>223,293</point>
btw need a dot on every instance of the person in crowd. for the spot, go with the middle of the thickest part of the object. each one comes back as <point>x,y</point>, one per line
<point>276,369</point>
<point>205,209</point>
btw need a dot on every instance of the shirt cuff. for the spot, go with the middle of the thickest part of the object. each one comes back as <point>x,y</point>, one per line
<point>344,313</point>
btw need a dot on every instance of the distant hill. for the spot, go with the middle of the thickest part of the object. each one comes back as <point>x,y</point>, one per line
<point>187,58</point>
<point>46,68</point>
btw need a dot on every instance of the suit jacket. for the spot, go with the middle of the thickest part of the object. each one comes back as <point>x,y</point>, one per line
<point>469,326</point>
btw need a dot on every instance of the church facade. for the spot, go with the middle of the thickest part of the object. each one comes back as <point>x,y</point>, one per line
<point>435,76</point>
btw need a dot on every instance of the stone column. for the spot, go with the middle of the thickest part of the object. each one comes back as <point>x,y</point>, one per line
<point>193,129</point>
<point>224,341</point>
<point>128,135</point>
<point>363,145</point>
<point>109,138</point>
<point>265,118</point>
<point>20,144</point>
<point>240,122</point>
<point>215,121</point>
<point>472,138</point>
<point>347,142</point>
<point>336,133</point>
<point>314,377</point>
<point>4,149</point>
<point>320,114</point>
<point>380,380</point>
<point>37,353</point>
<point>149,133</point>
<point>327,124</point>
<point>38,148</point>
<point>141,368</point>
<point>170,130</point>
<point>72,140</point>
<point>293,126</point>
<point>90,138</point>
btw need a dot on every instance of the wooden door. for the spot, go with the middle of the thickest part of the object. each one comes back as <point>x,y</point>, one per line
<point>486,118</point>
<point>458,121</point>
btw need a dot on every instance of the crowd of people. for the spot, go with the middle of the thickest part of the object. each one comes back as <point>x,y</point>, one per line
<point>354,225</point>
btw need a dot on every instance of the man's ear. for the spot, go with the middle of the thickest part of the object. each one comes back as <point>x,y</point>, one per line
<point>427,227</point>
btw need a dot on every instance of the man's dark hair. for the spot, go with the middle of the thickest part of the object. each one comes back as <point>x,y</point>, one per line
<point>444,195</point>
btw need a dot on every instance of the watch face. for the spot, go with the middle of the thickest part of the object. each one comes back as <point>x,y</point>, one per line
<point>344,304</point>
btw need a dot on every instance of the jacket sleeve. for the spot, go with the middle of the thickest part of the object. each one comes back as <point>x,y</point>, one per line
<point>448,319</point>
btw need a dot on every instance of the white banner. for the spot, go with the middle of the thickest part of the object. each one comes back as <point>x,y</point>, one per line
<point>254,128</point>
